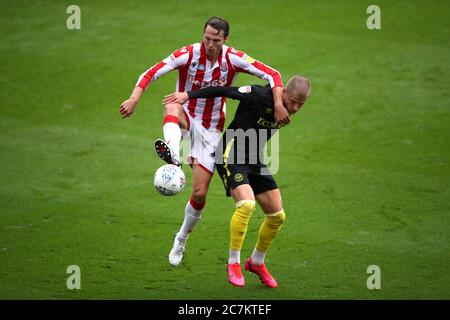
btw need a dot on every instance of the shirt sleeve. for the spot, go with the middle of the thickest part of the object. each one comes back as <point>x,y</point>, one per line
<point>244,63</point>
<point>176,60</point>
<point>236,93</point>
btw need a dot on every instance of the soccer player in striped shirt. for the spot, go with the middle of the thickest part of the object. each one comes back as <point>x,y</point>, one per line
<point>210,63</point>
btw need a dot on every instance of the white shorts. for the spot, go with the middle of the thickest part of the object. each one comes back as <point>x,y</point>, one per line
<point>203,144</point>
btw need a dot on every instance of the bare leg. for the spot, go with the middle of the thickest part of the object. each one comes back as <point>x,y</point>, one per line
<point>192,213</point>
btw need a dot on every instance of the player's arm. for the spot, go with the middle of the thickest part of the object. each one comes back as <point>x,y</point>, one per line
<point>127,107</point>
<point>244,63</point>
<point>176,60</point>
<point>281,114</point>
<point>241,94</point>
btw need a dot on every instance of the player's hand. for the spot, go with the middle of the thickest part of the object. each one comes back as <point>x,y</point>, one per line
<point>282,116</point>
<point>176,97</point>
<point>127,107</point>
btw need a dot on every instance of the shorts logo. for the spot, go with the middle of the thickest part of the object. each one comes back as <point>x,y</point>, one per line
<point>238,177</point>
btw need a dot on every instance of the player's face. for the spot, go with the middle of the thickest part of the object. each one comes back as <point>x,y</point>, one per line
<point>292,104</point>
<point>213,41</point>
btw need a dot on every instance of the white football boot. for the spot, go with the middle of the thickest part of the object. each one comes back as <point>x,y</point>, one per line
<point>176,254</point>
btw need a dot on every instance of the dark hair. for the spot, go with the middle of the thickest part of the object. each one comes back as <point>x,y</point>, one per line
<point>218,24</point>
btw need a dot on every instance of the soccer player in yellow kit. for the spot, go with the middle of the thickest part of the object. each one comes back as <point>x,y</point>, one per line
<point>245,179</point>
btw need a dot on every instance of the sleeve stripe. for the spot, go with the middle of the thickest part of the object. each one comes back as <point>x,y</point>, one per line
<point>174,61</point>
<point>258,69</point>
<point>145,78</point>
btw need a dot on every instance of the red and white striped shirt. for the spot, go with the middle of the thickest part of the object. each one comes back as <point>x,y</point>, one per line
<point>196,72</point>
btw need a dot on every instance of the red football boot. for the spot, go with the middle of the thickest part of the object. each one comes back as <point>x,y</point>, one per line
<point>262,272</point>
<point>235,276</point>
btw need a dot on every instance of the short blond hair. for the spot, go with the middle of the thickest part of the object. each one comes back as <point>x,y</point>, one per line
<point>299,87</point>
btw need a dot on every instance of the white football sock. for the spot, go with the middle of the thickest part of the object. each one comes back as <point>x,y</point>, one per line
<point>172,136</point>
<point>258,257</point>
<point>191,218</point>
<point>235,256</point>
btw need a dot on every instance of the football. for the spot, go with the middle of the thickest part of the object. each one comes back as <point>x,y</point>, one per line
<point>169,180</point>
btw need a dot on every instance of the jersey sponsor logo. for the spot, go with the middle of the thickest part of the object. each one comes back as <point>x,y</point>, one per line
<point>269,110</point>
<point>238,177</point>
<point>268,124</point>
<point>245,89</point>
<point>206,84</point>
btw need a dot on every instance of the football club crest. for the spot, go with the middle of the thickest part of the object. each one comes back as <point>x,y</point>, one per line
<point>224,67</point>
<point>238,177</point>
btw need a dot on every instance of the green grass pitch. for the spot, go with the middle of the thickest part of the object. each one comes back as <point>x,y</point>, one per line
<point>364,166</point>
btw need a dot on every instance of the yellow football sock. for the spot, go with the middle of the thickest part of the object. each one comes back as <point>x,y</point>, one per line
<point>269,229</point>
<point>239,223</point>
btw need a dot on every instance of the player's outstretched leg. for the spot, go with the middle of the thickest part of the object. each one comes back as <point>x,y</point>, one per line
<point>164,151</point>
<point>269,229</point>
<point>169,148</point>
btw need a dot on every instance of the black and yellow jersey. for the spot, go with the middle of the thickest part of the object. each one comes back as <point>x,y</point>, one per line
<point>253,124</point>
<point>255,110</point>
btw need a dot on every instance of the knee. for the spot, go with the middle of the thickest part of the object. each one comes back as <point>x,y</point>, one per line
<point>199,194</point>
<point>277,218</point>
<point>172,109</point>
<point>246,206</point>
<point>282,217</point>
